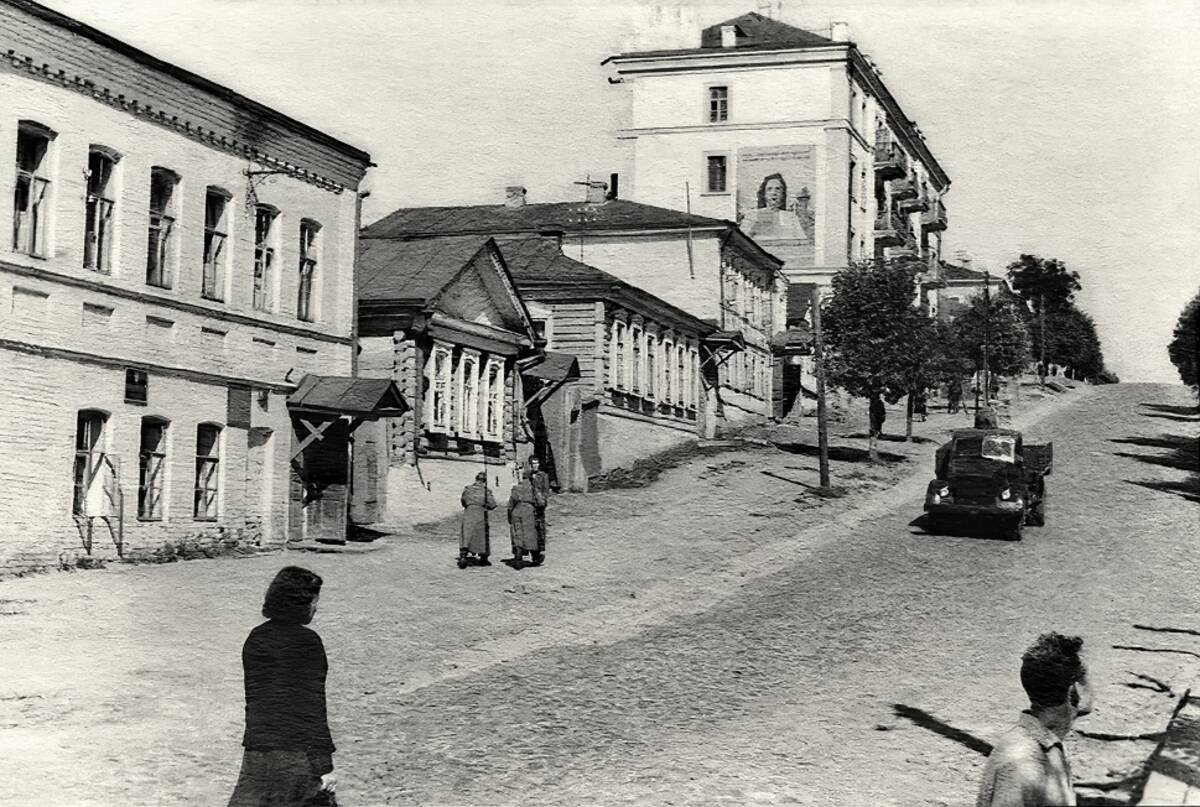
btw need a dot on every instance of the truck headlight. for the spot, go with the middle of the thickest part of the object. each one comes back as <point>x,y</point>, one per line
<point>1005,494</point>
<point>944,492</point>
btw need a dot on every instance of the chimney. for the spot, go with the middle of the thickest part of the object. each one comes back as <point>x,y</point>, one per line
<point>514,196</point>
<point>596,192</point>
<point>612,185</point>
<point>839,31</point>
<point>729,36</point>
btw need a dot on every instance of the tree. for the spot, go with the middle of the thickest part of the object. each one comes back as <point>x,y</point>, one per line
<point>1043,282</point>
<point>1071,341</point>
<point>876,338</point>
<point>1184,349</point>
<point>1046,285</point>
<point>998,321</point>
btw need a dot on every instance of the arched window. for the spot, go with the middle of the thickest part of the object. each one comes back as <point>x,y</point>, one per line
<point>264,257</point>
<point>91,462</point>
<point>208,472</point>
<point>100,209</point>
<point>305,307</point>
<point>216,232</point>
<point>160,244</point>
<point>31,193</point>
<point>152,468</point>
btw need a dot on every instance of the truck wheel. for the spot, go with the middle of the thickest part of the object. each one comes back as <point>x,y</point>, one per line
<point>1014,532</point>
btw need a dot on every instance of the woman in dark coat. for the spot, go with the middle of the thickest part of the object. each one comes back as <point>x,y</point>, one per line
<point>523,504</point>
<point>475,537</point>
<point>289,753</point>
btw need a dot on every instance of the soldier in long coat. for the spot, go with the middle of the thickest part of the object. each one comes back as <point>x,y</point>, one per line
<point>523,504</point>
<point>474,537</point>
<point>541,483</point>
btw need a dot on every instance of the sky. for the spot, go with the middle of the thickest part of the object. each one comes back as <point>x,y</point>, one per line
<point>1068,128</point>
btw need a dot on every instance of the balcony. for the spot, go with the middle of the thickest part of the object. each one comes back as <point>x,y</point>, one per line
<point>892,229</point>
<point>934,218</point>
<point>890,160</point>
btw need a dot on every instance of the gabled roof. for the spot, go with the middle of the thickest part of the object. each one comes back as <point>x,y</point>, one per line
<point>413,270</point>
<point>343,395</point>
<point>614,214</point>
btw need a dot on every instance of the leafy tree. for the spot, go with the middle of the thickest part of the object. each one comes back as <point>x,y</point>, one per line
<point>1071,341</point>
<point>876,339</point>
<point>1043,282</point>
<point>998,320</point>
<point>1184,349</point>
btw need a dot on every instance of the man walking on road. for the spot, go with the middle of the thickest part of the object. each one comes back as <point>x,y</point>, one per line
<point>1029,766</point>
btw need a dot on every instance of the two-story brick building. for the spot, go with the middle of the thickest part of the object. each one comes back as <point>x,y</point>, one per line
<point>180,258</point>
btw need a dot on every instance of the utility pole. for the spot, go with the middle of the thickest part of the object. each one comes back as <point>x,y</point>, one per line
<point>987,335</point>
<point>819,367</point>
<point>1042,332</point>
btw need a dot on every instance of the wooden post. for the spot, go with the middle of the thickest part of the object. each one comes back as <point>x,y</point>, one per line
<point>819,367</point>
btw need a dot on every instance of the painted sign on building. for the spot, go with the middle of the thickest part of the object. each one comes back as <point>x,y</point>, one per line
<point>775,200</point>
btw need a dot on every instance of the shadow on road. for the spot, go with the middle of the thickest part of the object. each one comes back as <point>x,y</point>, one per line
<point>927,526</point>
<point>890,438</point>
<point>1191,411</point>
<point>1181,453</point>
<point>927,721</point>
<point>839,453</point>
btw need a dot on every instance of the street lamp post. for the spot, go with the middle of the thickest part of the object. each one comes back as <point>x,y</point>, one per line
<point>819,367</point>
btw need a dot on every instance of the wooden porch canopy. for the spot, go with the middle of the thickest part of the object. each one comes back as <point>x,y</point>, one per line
<point>721,345</point>
<point>553,370</point>
<point>329,399</point>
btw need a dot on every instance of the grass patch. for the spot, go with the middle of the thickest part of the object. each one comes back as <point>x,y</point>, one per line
<point>645,471</point>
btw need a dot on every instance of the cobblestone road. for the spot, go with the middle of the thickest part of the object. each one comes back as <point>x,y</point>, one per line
<point>693,653</point>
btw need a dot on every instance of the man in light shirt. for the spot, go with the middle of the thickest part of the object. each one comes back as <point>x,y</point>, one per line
<point>1028,766</point>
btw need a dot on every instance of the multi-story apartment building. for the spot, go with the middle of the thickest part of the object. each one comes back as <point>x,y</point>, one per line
<point>791,134</point>
<point>180,257</point>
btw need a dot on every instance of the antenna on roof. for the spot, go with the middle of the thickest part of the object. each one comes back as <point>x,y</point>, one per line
<point>587,182</point>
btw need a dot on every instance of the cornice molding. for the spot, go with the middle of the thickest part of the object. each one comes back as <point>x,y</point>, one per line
<point>24,65</point>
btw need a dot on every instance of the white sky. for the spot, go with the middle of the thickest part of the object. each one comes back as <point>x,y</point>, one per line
<point>1069,129</point>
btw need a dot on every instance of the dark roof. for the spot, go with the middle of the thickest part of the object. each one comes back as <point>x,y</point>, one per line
<point>199,82</point>
<point>726,339</point>
<point>343,395</point>
<point>754,32</point>
<point>554,367</point>
<point>539,260</point>
<point>413,270</point>
<point>952,271</point>
<point>615,214</point>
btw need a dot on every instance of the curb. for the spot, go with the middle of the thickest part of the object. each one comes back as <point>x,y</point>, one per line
<point>1174,767</point>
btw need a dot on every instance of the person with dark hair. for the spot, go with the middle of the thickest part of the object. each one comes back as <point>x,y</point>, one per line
<point>475,535</point>
<point>288,758</point>
<point>778,215</point>
<point>523,503</point>
<point>1029,766</point>
<point>954,394</point>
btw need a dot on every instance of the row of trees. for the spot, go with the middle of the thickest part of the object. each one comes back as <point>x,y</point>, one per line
<point>880,343</point>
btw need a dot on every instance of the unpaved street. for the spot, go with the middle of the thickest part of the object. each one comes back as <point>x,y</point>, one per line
<point>705,640</point>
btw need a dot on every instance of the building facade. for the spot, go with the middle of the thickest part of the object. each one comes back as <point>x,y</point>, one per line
<point>707,268</point>
<point>961,285</point>
<point>442,319</point>
<point>180,257</point>
<point>645,368</point>
<point>791,134</point>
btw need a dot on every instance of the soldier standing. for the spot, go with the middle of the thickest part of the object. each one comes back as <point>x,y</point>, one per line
<point>541,483</point>
<point>523,503</point>
<point>474,537</point>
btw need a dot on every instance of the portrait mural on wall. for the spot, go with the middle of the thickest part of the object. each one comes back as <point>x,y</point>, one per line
<point>775,200</point>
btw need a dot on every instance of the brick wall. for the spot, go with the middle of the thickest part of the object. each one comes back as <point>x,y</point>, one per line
<point>41,398</point>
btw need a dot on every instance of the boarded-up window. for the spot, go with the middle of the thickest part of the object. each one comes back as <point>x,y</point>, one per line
<point>216,232</point>
<point>90,461</point>
<point>264,257</point>
<point>305,309</point>
<point>137,386</point>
